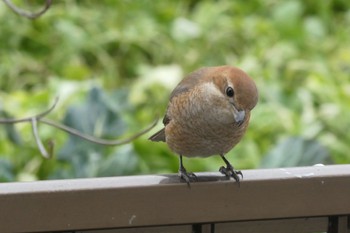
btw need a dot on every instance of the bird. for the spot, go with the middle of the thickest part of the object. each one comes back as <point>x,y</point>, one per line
<point>208,114</point>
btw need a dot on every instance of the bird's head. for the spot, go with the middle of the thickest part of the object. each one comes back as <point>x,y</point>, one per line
<point>237,88</point>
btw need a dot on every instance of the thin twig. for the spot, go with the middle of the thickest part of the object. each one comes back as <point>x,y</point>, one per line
<point>100,141</point>
<point>38,141</point>
<point>39,119</point>
<point>51,147</point>
<point>26,119</point>
<point>27,14</point>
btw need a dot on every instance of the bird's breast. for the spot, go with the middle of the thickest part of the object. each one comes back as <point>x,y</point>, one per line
<point>202,125</point>
<point>202,140</point>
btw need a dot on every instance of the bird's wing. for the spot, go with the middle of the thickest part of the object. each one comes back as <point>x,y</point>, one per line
<point>159,136</point>
<point>189,82</point>
<point>184,86</point>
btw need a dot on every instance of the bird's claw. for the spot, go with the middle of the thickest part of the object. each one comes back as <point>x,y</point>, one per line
<point>188,177</point>
<point>229,171</point>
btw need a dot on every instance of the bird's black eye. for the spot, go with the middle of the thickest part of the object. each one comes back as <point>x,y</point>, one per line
<point>230,92</point>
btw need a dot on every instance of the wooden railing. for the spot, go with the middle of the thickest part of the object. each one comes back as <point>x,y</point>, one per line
<point>304,199</point>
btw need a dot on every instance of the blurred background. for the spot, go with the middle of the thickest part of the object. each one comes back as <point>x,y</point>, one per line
<point>113,65</point>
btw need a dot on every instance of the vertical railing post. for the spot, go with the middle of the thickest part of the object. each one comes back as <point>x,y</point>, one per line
<point>339,224</point>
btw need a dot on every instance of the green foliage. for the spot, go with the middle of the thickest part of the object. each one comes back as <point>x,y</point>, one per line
<point>296,151</point>
<point>114,63</point>
<point>102,117</point>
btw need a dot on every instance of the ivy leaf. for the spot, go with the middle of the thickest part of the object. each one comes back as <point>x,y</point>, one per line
<point>296,151</point>
<point>6,171</point>
<point>10,129</point>
<point>99,117</point>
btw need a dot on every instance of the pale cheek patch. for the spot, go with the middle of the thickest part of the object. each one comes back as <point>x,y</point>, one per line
<point>210,90</point>
<point>216,107</point>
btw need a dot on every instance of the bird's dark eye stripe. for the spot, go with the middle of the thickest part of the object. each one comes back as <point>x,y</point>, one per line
<point>230,92</point>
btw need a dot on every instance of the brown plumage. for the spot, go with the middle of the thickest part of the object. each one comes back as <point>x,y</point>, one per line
<point>208,113</point>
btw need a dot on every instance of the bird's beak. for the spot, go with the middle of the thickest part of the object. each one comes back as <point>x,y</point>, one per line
<point>238,115</point>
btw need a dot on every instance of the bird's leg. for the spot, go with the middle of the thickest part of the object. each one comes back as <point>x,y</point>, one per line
<point>229,171</point>
<point>184,175</point>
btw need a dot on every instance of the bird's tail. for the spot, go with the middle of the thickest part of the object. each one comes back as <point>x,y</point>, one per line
<point>159,136</point>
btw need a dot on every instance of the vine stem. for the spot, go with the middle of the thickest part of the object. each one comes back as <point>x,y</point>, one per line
<point>29,15</point>
<point>39,118</point>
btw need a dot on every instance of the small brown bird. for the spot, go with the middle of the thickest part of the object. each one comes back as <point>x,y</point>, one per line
<point>208,113</point>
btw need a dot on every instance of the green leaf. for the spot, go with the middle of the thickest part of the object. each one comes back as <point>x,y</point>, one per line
<point>100,116</point>
<point>123,161</point>
<point>10,129</point>
<point>296,151</point>
<point>6,171</point>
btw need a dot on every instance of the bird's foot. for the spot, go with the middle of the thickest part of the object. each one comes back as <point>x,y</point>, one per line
<point>188,177</point>
<point>229,171</point>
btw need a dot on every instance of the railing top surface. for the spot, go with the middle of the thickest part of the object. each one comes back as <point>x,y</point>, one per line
<point>155,200</point>
<point>205,178</point>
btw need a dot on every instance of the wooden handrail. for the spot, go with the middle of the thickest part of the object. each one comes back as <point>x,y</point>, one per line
<point>311,196</point>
